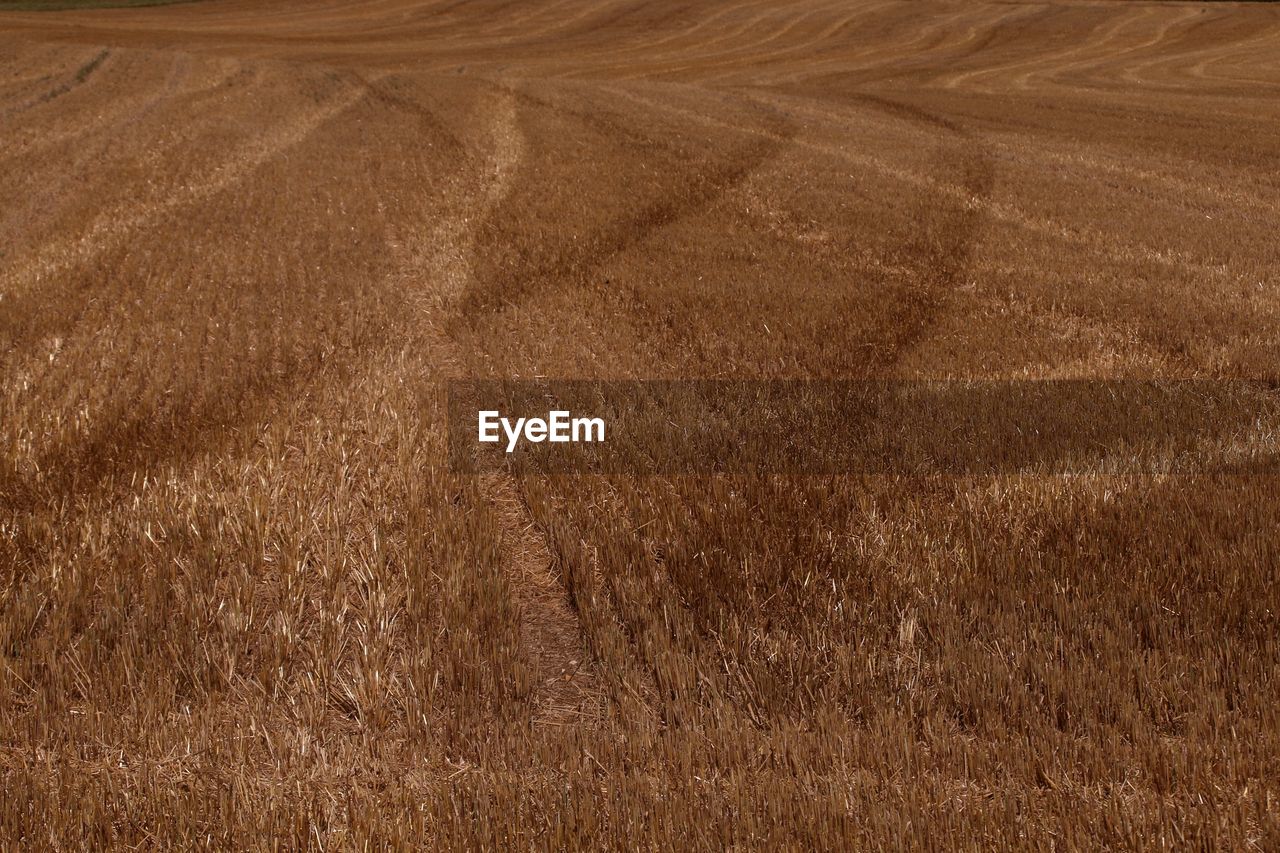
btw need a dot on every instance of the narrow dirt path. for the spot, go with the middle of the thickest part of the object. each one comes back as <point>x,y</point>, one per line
<point>550,633</point>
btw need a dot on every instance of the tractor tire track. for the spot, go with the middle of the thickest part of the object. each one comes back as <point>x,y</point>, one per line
<point>574,259</point>
<point>78,78</point>
<point>945,218</point>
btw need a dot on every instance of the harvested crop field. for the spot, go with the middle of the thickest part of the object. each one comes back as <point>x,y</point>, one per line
<point>246,599</point>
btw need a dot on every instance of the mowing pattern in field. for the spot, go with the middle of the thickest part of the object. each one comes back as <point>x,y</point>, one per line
<point>243,244</point>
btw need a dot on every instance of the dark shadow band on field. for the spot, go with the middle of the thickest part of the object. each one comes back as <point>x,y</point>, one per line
<point>573,257</point>
<point>875,427</point>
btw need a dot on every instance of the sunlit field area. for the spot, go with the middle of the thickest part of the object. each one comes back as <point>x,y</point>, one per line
<point>246,600</point>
